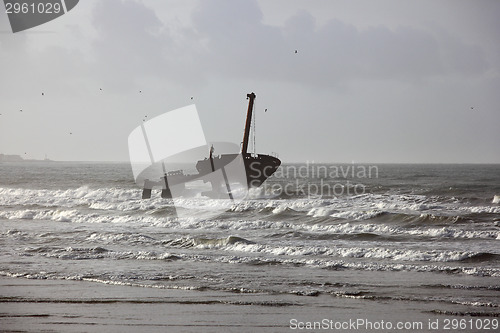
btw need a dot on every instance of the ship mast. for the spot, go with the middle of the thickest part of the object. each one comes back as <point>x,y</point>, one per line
<point>244,146</point>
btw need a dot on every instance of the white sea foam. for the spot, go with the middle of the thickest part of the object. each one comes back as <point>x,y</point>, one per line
<point>76,216</point>
<point>496,199</point>
<point>112,238</point>
<point>357,214</point>
<point>354,252</point>
<point>359,208</point>
<point>124,206</point>
<point>66,198</point>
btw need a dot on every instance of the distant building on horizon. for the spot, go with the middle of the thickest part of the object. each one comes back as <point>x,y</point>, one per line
<point>10,158</point>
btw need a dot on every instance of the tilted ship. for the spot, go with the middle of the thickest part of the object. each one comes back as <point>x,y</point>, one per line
<point>217,170</point>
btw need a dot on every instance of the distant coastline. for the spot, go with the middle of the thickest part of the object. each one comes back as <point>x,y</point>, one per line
<point>18,158</point>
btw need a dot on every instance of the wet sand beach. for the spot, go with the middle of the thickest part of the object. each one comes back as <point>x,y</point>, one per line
<point>29,305</point>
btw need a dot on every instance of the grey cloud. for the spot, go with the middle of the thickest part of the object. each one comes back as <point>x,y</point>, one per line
<point>240,44</point>
<point>229,39</point>
<point>460,58</point>
<point>131,41</point>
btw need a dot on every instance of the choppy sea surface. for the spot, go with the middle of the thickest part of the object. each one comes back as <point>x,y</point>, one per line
<point>421,234</point>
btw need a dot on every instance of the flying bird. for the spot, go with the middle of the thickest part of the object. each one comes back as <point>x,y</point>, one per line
<point>265,110</point>
<point>140,91</point>
<point>295,51</point>
<point>43,94</point>
<point>191,97</point>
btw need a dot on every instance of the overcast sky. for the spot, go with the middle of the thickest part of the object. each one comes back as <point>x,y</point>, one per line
<point>372,81</point>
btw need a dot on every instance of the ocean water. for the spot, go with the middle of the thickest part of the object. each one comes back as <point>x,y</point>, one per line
<point>426,236</point>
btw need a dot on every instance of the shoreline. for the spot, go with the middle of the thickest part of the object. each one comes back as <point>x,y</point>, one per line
<point>29,305</point>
